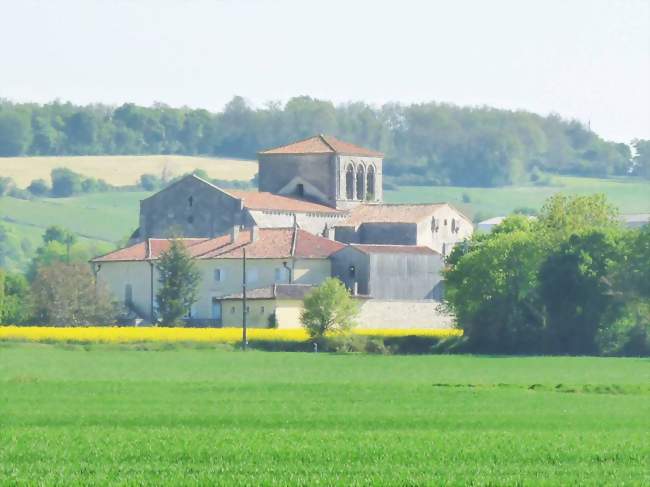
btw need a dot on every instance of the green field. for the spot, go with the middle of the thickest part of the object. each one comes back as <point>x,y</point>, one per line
<point>628,194</point>
<point>72,415</point>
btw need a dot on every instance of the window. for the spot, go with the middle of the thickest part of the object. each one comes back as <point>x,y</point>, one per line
<point>445,222</point>
<point>128,295</point>
<point>352,271</point>
<point>251,275</point>
<point>232,310</point>
<point>361,183</point>
<point>262,310</point>
<point>219,275</point>
<point>433,224</point>
<point>190,201</point>
<point>453,224</point>
<point>248,309</point>
<point>190,219</point>
<point>370,184</point>
<point>349,182</point>
<point>281,274</point>
<point>300,189</point>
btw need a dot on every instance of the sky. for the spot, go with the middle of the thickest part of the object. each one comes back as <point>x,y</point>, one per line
<point>584,59</point>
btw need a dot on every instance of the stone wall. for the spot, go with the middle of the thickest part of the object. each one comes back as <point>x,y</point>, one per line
<point>191,208</point>
<point>376,313</point>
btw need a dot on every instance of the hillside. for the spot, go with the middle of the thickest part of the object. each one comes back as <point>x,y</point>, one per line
<point>125,170</point>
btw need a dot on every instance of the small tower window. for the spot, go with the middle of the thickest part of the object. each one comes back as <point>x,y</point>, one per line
<point>349,182</point>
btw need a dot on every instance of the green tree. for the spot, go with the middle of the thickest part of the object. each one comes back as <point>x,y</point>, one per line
<point>328,309</point>
<point>15,133</point>
<point>641,160</point>
<point>179,280</point>
<point>38,187</point>
<point>492,290</point>
<point>15,309</point>
<point>67,295</point>
<point>65,182</point>
<point>576,292</point>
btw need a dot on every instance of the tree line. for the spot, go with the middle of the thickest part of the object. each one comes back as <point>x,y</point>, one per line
<point>573,281</point>
<point>425,143</point>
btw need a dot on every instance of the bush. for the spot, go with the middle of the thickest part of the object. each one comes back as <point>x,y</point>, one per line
<point>150,182</point>
<point>39,187</point>
<point>6,185</point>
<point>65,182</point>
<point>328,309</point>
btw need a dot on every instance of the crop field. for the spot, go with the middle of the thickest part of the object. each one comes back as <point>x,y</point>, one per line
<point>628,194</point>
<point>124,170</point>
<point>120,414</point>
<point>134,334</point>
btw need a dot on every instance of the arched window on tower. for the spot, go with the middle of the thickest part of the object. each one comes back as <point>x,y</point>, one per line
<point>349,182</point>
<point>361,183</point>
<point>370,186</point>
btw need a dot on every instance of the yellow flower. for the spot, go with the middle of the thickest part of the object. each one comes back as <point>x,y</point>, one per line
<point>105,334</point>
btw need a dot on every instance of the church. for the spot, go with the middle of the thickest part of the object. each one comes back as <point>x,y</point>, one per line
<point>319,212</point>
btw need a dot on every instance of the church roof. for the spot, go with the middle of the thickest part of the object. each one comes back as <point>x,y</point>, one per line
<point>323,144</point>
<point>261,200</point>
<point>393,249</point>
<point>390,213</point>
<point>270,243</point>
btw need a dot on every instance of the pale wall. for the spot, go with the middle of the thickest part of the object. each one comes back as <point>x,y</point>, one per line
<point>116,275</point>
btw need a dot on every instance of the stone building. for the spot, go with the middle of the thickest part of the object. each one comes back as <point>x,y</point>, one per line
<point>324,169</point>
<point>193,207</point>
<point>438,226</point>
<point>390,271</point>
<point>319,212</point>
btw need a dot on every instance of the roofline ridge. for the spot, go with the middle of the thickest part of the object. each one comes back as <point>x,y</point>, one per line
<point>323,137</point>
<point>291,143</point>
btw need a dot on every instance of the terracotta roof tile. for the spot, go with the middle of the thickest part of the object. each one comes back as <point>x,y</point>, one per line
<point>279,291</point>
<point>323,144</point>
<point>271,243</point>
<point>383,213</point>
<point>260,200</point>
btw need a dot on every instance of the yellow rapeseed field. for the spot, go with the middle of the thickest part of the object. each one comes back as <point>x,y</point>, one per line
<point>106,334</point>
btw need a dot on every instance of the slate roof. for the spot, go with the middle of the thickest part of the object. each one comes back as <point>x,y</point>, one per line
<point>390,213</point>
<point>260,200</point>
<point>323,144</point>
<point>393,249</point>
<point>271,243</point>
<point>276,291</point>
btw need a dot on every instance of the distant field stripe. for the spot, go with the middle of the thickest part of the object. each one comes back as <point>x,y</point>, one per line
<point>106,334</point>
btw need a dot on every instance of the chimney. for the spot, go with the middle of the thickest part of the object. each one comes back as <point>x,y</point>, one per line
<point>255,233</point>
<point>234,234</point>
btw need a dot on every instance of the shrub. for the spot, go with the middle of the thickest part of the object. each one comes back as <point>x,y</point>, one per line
<point>328,308</point>
<point>65,182</point>
<point>38,187</point>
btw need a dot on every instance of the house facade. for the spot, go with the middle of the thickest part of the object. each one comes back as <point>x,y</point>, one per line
<point>288,256</point>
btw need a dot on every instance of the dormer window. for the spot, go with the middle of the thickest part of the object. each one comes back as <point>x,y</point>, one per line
<point>300,190</point>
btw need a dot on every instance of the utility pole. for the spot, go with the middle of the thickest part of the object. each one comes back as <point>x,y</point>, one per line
<point>244,312</point>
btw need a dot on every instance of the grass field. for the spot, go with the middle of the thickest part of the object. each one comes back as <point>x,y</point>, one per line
<point>124,170</point>
<point>628,194</point>
<point>115,415</point>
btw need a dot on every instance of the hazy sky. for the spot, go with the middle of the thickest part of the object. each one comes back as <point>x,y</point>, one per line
<point>583,59</point>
